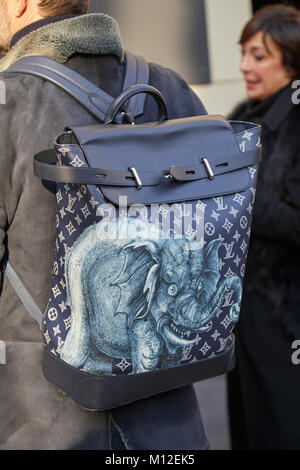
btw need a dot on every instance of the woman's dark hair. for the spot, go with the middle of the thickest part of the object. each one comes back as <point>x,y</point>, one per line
<point>282,24</point>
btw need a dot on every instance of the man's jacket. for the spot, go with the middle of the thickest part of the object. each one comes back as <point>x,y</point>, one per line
<point>34,114</point>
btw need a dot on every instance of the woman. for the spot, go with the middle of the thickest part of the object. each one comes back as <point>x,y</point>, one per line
<point>264,389</point>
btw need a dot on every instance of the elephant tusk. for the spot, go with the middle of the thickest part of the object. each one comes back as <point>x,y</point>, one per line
<point>173,342</point>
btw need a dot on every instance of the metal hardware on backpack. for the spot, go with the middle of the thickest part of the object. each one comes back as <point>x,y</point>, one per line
<point>153,225</point>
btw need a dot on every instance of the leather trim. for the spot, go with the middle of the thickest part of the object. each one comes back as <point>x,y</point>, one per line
<point>45,167</point>
<point>99,393</point>
<point>216,167</point>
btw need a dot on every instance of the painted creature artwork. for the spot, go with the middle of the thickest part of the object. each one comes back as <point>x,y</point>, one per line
<point>142,298</point>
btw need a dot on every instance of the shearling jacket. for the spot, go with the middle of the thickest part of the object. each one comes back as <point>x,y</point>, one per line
<point>32,414</point>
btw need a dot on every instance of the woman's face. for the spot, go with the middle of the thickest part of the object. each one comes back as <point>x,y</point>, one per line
<point>262,68</point>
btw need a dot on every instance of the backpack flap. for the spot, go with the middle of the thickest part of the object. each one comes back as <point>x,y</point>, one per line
<point>174,160</point>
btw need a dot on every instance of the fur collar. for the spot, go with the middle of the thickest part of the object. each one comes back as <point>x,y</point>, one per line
<point>94,33</point>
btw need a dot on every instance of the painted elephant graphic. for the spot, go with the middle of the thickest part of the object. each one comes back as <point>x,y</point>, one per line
<point>140,298</point>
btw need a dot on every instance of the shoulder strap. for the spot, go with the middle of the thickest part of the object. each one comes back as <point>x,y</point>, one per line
<point>137,73</point>
<point>23,294</point>
<point>95,100</point>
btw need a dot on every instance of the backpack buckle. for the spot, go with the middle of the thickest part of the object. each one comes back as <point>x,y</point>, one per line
<point>207,166</point>
<point>137,178</point>
<point>124,118</point>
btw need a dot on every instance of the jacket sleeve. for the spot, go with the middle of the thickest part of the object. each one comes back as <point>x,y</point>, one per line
<point>280,219</point>
<point>6,173</point>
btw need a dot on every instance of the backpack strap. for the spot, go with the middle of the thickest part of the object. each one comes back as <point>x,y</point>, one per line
<point>95,100</point>
<point>45,167</point>
<point>24,296</point>
<point>137,73</point>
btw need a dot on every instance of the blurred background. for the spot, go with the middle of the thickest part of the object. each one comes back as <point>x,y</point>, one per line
<point>199,40</point>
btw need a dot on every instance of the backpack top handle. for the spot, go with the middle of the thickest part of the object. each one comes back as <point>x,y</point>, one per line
<point>126,95</point>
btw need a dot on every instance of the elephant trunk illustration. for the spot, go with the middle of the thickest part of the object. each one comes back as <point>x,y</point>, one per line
<point>190,313</point>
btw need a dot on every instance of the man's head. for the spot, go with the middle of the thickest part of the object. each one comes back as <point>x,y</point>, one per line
<point>16,14</point>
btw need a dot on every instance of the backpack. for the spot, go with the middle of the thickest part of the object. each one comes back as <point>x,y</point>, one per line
<point>153,226</point>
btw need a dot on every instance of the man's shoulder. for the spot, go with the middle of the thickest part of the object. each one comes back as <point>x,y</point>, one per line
<point>160,72</point>
<point>18,82</point>
<point>180,97</point>
<point>18,92</point>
